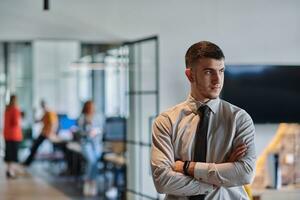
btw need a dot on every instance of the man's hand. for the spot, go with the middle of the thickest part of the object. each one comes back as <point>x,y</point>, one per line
<point>238,153</point>
<point>178,166</point>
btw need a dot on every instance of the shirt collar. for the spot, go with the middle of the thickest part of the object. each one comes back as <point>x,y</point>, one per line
<point>194,104</point>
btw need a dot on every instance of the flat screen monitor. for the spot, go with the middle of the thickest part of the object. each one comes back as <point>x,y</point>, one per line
<point>65,123</point>
<point>115,129</point>
<point>269,93</point>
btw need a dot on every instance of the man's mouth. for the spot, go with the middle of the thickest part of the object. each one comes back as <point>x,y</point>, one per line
<point>216,87</point>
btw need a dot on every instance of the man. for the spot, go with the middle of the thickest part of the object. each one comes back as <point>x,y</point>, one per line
<point>203,148</point>
<point>50,125</point>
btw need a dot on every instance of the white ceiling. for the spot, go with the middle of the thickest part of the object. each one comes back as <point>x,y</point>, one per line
<point>91,20</point>
<point>119,20</point>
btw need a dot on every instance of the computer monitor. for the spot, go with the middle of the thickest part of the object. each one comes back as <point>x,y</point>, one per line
<point>115,129</point>
<point>65,123</point>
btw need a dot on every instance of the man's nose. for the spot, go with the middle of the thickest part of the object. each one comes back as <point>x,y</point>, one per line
<point>216,78</point>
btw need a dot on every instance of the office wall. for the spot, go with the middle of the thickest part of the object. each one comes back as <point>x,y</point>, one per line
<point>53,78</point>
<point>248,32</point>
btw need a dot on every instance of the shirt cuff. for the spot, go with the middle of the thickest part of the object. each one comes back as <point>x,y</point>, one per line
<point>201,174</point>
<point>206,188</point>
<point>201,171</point>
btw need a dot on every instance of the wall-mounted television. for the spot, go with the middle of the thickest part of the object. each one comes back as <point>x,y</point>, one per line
<point>269,93</point>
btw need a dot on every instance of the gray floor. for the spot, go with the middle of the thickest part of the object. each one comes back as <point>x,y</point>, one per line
<point>42,183</point>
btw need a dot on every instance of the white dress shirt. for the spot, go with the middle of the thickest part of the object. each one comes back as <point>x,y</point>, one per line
<point>173,139</point>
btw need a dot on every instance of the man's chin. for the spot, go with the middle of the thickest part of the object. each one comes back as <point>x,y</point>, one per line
<point>214,96</point>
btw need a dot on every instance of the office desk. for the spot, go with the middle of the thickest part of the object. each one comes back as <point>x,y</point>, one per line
<point>113,154</point>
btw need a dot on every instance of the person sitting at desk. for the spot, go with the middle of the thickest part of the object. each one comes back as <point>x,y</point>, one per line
<point>90,138</point>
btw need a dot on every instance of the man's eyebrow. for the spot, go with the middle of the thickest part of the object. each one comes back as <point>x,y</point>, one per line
<point>212,69</point>
<point>207,68</point>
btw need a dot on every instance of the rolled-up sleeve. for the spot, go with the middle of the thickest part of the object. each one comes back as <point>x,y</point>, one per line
<point>237,173</point>
<point>162,158</point>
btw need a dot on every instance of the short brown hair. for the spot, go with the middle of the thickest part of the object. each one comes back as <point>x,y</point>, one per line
<point>202,49</point>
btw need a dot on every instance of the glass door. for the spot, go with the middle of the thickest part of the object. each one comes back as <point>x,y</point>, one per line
<point>143,92</point>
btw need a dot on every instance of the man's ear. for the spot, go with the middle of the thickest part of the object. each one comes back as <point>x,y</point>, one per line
<point>189,74</point>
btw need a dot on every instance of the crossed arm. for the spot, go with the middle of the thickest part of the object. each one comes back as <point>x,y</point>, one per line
<point>218,174</point>
<point>166,180</point>
<point>168,175</point>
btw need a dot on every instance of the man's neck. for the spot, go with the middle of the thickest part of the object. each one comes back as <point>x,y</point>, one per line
<point>199,98</point>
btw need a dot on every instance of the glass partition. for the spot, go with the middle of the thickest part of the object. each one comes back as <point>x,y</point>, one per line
<point>143,95</point>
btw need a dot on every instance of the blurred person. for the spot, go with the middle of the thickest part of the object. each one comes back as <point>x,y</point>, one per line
<point>203,148</point>
<point>12,136</point>
<point>50,125</point>
<point>90,139</point>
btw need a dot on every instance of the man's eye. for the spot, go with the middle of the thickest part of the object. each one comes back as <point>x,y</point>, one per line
<point>207,72</point>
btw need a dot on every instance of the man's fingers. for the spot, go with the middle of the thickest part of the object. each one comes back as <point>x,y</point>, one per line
<point>239,152</point>
<point>238,155</point>
<point>240,147</point>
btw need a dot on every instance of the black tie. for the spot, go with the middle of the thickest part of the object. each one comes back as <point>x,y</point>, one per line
<point>201,141</point>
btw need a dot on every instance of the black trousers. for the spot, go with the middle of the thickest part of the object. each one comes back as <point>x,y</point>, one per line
<point>11,151</point>
<point>197,197</point>
<point>34,149</point>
